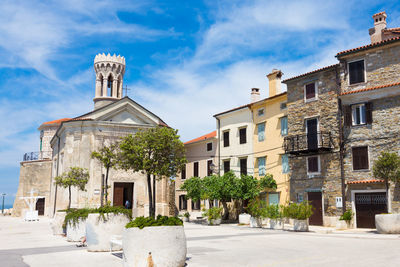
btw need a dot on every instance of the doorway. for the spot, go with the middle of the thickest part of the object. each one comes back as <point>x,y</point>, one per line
<point>122,193</point>
<point>315,199</point>
<point>312,133</point>
<point>40,206</point>
<point>367,205</point>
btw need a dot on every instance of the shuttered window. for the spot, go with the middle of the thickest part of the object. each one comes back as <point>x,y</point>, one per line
<point>310,92</point>
<point>243,166</point>
<point>285,164</point>
<point>242,136</point>
<point>226,138</point>
<point>358,114</point>
<point>313,164</point>
<point>209,170</point>
<point>261,131</point>
<point>183,173</point>
<point>360,158</point>
<point>284,126</point>
<point>356,72</point>
<point>261,166</point>
<point>227,166</point>
<point>196,169</point>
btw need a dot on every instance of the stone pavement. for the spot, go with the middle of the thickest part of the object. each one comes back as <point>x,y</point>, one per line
<point>32,244</point>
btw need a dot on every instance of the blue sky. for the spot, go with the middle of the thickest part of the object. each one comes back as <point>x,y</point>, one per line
<point>185,60</point>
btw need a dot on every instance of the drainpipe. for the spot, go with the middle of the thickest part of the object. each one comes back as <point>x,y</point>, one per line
<point>341,143</point>
<point>219,146</point>
<point>58,160</point>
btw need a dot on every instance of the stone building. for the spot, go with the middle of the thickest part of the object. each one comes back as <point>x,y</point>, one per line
<point>75,139</point>
<point>201,156</point>
<point>370,96</point>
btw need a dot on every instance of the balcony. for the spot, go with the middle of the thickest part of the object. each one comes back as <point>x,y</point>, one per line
<point>308,143</point>
<point>30,156</point>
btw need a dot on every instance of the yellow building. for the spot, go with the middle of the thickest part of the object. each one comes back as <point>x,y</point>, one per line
<point>270,127</point>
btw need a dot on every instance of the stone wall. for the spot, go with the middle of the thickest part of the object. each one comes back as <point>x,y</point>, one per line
<point>33,175</point>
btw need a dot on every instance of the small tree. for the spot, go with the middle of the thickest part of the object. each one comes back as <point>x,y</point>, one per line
<point>107,155</point>
<point>387,167</point>
<point>75,177</point>
<point>194,188</point>
<point>248,189</point>
<point>158,152</point>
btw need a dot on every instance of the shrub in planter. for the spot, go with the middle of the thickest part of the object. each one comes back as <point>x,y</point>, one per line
<point>75,223</point>
<point>213,215</point>
<point>186,216</point>
<point>344,220</point>
<point>104,222</point>
<point>244,218</point>
<point>387,223</point>
<point>300,213</point>
<point>154,242</point>
<point>274,213</point>
<point>256,209</point>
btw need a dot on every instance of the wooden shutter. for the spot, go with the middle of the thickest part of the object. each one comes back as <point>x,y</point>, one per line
<point>226,139</point>
<point>242,136</point>
<point>368,112</point>
<point>310,90</point>
<point>196,169</point>
<point>347,115</point>
<point>360,158</point>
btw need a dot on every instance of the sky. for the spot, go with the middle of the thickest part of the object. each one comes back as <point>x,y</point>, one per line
<point>185,60</point>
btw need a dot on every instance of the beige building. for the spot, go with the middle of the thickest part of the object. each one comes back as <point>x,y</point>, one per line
<point>201,156</point>
<point>75,139</point>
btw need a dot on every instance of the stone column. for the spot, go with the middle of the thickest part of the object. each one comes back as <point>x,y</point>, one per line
<point>98,88</point>
<point>104,87</point>
<point>120,89</point>
<point>115,88</point>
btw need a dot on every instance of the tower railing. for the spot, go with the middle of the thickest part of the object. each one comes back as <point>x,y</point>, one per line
<point>40,155</point>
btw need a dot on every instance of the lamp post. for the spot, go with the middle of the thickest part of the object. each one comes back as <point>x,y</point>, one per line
<point>2,208</point>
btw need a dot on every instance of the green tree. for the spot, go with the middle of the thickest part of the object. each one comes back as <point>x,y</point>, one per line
<point>75,177</point>
<point>107,155</point>
<point>194,188</point>
<point>267,182</point>
<point>387,167</point>
<point>158,152</point>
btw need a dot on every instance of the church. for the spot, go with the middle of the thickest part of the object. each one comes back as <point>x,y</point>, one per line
<point>69,142</point>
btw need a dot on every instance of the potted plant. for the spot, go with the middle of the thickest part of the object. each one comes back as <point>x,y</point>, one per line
<point>154,242</point>
<point>387,167</point>
<point>213,215</point>
<point>274,213</point>
<point>186,216</point>
<point>256,209</point>
<point>75,224</point>
<point>345,220</point>
<point>300,214</point>
<point>102,224</point>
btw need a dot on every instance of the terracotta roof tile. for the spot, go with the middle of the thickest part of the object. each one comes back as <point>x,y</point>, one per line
<point>57,122</point>
<point>366,182</point>
<point>230,110</point>
<point>365,47</point>
<point>202,138</point>
<point>380,13</point>
<point>311,72</point>
<point>371,88</point>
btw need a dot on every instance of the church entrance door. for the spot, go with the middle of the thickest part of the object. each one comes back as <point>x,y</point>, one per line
<point>122,193</point>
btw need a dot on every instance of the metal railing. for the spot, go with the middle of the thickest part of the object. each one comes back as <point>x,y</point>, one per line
<point>307,143</point>
<point>37,155</point>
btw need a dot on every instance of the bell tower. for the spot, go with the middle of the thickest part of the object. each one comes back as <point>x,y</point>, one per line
<point>110,72</point>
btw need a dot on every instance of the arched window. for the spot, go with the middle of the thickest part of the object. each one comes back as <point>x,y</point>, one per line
<point>110,85</point>
<point>101,84</point>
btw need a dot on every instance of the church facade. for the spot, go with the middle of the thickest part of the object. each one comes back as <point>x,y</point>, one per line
<point>73,140</point>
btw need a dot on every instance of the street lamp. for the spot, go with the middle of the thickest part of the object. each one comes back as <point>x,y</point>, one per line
<point>213,168</point>
<point>2,208</point>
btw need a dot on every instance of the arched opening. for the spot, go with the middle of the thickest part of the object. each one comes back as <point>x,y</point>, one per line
<point>118,87</point>
<point>110,85</point>
<point>100,79</point>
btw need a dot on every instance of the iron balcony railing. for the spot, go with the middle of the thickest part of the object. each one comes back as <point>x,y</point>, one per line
<point>37,155</point>
<point>308,143</point>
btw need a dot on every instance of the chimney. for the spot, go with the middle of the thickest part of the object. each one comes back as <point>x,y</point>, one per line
<point>376,33</point>
<point>255,94</point>
<point>274,82</point>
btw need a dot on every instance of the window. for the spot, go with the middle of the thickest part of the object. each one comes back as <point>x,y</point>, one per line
<point>41,143</point>
<point>285,164</point>
<point>360,158</point>
<point>356,72</point>
<point>283,105</point>
<point>196,205</point>
<point>284,126</point>
<point>226,138</point>
<point>196,169</point>
<point>209,170</point>
<point>261,166</point>
<point>310,91</point>
<point>273,198</point>
<point>260,112</point>
<point>358,114</point>
<point>313,165</point>
<point>261,131</point>
<point>183,173</point>
<point>243,166</point>
<point>182,202</point>
<point>227,166</point>
<point>299,197</point>
<point>209,146</point>
<point>242,136</point>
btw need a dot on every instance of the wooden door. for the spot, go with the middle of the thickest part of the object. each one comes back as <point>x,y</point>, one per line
<point>40,206</point>
<point>315,199</point>
<point>118,196</point>
<point>367,205</point>
<point>312,131</point>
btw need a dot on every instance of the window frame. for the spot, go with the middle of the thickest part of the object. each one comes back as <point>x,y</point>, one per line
<point>348,71</point>
<point>207,147</point>
<point>258,112</point>
<point>240,135</point>
<point>305,92</point>
<point>240,166</point>
<point>182,199</point>
<point>265,164</point>
<point>258,132</point>
<point>288,166</point>
<point>319,165</point>
<point>353,119</point>
<point>226,141</point>
<point>196,169</point>
<point>287,126</point>
<point>368,158</point>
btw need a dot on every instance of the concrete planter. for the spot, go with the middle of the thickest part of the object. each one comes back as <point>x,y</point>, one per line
<point>161,246</point>
<point>342,225</point>
<point>57,223</point>
<point>214,222</point>
<point>75,232</point>
<point>244,218</point>
<point>255,222</point>
<point>387,223</point>
<point>276,224</point>
<point>99,231</point>
<point>300,225</point>
<point>185,219</point>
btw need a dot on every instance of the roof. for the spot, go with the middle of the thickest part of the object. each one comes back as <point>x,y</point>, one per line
<point>311,72</point>
<point>202,138</point>
<point>392,30</point>
<point>234,109</point>
<point>369,46</point>
<point>56,122</point>
<point>380,13</point>
<point>268,98</point>
<point>366,182</point>
<point>371,88</point>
